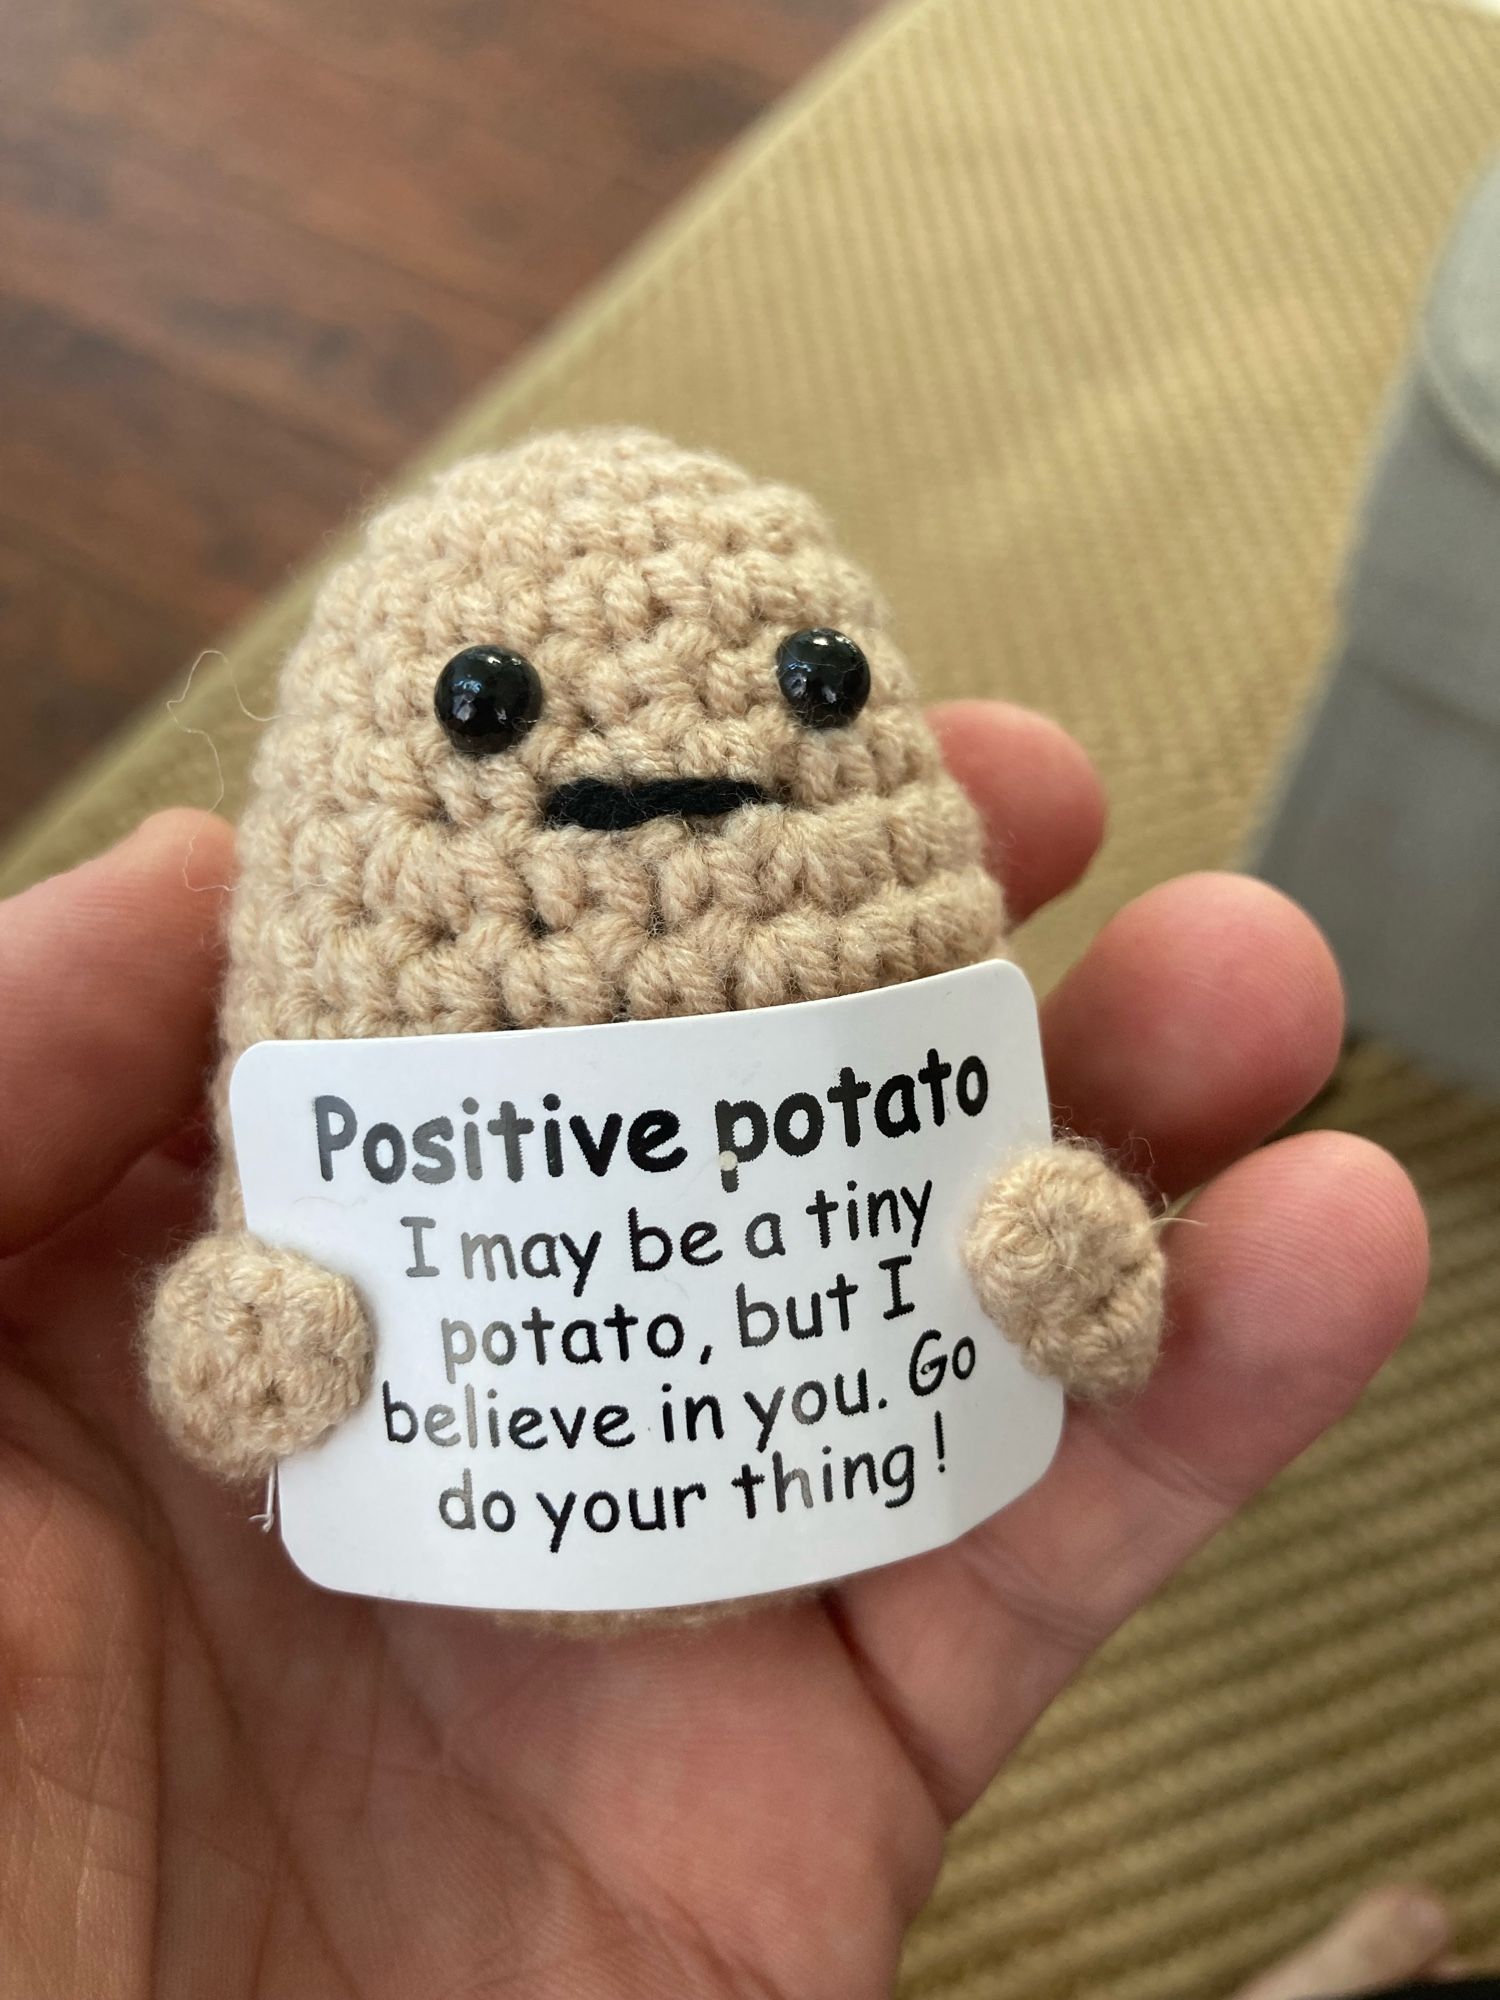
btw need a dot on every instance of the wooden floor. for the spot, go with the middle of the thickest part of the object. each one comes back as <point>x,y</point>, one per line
<point>253,251</point>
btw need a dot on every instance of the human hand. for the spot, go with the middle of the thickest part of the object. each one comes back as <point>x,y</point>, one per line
<point>219,1779</point>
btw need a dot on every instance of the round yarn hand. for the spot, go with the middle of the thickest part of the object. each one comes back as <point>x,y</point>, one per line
<point>220,1780</point>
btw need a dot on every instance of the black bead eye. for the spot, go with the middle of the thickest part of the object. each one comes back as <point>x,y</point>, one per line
<point>825,678</point>
<point>487,699</point>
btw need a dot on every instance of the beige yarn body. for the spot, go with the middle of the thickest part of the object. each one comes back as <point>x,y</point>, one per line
<point>391,886</point>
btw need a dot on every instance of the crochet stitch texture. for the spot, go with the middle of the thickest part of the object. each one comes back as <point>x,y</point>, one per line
<point>390,886</point>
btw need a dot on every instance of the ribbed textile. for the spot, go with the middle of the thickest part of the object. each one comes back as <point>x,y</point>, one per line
<point>1076,315</point>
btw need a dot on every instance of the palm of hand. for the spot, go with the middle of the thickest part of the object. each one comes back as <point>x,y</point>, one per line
<point>257,1788</point>
<point>219,1779</point>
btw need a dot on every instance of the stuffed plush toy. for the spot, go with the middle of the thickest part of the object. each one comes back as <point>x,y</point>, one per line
<point>598,729</point>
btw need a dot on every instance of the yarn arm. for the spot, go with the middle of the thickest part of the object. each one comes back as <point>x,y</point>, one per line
<point>1067,1261</point>
<point>253,1353</point>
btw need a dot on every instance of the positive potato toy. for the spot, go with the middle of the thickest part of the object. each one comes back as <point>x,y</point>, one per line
<point>599,729</point>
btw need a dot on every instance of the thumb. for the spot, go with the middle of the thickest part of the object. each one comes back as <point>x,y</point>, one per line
<point>108,987</point>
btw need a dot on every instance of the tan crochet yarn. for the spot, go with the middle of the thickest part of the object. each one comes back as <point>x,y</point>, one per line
<point>1064,1256</point>
<point>289,1352</point>
<point>391,886</point>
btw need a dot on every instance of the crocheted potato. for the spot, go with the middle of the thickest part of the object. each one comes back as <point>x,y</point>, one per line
<point>599,729</point>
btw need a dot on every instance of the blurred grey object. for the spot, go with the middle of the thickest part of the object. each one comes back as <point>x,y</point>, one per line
<point>1387,823</point>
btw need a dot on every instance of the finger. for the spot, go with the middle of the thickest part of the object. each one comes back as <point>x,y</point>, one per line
<point>1204,1015</point>
<point>108,979</point>
<point>1389,1935</point>
<point>1303,1268</point>
<point>1036,790</point>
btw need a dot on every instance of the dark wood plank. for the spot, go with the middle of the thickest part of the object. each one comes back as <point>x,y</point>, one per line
<point>253,251</point>
<point>79,650</point>
<point>331,339</point>
<point>132,474</point>
<point>365,163</point>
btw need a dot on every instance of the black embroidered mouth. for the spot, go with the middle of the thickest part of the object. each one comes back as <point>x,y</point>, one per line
<point>606,808</point>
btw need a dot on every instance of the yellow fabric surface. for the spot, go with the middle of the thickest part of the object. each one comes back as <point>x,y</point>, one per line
<point>1077,313</point>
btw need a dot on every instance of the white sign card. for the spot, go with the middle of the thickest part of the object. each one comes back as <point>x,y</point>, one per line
<point>665,1311</point>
